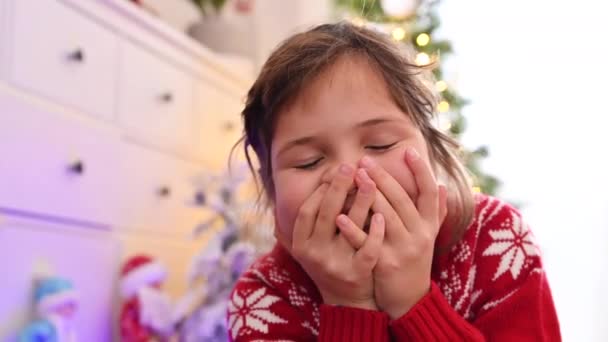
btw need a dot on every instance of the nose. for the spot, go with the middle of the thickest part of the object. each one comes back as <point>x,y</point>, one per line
<point>334,169</point>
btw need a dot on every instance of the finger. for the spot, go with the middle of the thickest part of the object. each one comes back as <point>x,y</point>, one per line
<point>307,215</point>
<point>394,193</point>
<point>332,203</point>
<point>369,253</point>
<point>366,194</point>
<point>353,234</point>
<point>427,202</point>
<point>395,229</point>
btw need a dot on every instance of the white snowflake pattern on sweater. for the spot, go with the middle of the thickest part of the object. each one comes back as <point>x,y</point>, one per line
<point>514,243</point>
<point>252,312</point>
<point>459,292</point>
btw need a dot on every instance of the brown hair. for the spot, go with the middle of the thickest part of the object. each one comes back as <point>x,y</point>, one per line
<point>306,55</point>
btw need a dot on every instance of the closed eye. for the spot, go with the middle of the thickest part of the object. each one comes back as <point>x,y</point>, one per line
<point>380,147</point>
<point>310,165</point>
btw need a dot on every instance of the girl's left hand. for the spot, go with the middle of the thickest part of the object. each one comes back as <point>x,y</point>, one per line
<point>402,275</point>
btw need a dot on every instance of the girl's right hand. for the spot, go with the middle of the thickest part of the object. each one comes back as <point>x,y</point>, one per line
<point>342,274</point>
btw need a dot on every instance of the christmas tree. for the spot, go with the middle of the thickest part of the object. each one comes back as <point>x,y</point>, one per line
<point>239,233</point>
<point>414,22</point>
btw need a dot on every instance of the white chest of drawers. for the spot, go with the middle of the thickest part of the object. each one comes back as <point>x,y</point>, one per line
<point>106,116</point>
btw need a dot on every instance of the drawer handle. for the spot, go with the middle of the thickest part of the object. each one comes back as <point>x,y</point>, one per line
<point>77,167</point>
<point>164,191</point>
<point>200,198</point>
<point>229,126</point>
<point>167,97</point>
<point>77,55</point>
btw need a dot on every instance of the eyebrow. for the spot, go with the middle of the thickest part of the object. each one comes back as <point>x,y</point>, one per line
<point>309,139</point>
<point>373,122</point>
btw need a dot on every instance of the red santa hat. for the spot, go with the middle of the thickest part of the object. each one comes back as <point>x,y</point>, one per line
<point>139,271</point>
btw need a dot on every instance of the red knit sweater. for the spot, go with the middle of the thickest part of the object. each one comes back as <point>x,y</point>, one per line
<point>490,286</point>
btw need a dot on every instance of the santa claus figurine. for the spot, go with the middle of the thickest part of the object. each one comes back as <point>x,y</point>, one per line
<point>56,305</point>
<point>146,313</point>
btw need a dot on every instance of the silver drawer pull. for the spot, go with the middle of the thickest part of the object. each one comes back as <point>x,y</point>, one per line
<point>167,97</point>
<point>76,167</point>
<point>200,198</point>
<point>77,55</point>
<point>164,191</point>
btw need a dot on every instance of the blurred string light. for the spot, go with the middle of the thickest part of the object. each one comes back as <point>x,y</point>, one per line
<point>443,106</point>
<point>441,86</point>
<point>399,8</point>
<point>358,21</point>
<point>423,39</point>
<point>398,33</point>
<point>446,125</point>
<point>422,58</point>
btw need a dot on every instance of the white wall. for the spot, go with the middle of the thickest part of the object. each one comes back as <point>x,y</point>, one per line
<point>178,13</point>
<point>536,74</point>
<point>273,20</point>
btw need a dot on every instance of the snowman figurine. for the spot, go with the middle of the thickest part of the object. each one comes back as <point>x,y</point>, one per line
<point>56,306</point>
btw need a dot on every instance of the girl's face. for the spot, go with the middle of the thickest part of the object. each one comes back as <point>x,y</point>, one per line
<point>344,114</point>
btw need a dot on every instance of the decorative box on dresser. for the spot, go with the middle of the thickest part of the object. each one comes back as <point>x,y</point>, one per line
<point>106,117</point>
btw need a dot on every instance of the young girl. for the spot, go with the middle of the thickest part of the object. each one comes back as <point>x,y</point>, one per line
<point>380,236</point>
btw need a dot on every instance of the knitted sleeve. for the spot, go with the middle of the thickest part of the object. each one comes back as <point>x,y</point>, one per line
<point>495,288</point>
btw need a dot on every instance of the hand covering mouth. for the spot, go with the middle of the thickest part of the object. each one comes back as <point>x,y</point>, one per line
<point>348,203</point>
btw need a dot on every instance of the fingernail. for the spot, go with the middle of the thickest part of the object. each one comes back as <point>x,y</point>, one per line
<point>346,170</point>
<point>379,218</point>
<point>342,219</point>
<point>413,153</point>
<point>367,162</point>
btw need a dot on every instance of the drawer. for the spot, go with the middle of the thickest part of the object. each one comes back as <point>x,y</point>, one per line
<point>53,164</point>
<point>161,196</point>
<point>219,124</point>
<point>65,56</point>
<point>155,100</point>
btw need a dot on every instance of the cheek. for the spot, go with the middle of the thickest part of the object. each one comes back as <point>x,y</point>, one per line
<point>290,193</point>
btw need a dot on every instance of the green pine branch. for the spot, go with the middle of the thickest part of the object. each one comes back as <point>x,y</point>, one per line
<point>207,5</point>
